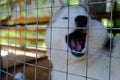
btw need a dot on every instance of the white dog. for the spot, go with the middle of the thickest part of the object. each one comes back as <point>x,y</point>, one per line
<point>79,48</point>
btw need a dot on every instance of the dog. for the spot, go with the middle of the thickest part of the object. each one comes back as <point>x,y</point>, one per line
<point>79,47</point>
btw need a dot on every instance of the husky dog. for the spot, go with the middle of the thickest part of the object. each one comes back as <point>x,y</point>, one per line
<point>79,48</point>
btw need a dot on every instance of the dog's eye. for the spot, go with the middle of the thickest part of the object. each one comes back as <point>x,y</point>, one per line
<point>65,17</point>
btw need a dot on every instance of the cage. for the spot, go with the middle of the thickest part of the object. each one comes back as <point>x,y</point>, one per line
<point>64,55</point>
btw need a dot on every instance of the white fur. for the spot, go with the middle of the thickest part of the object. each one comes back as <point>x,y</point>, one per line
<point>96,64</point>
<point>19,76</point>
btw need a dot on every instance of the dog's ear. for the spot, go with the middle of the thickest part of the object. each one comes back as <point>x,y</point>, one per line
<point>56,5</point>
<point>55,15</point>
<point>84,3</point>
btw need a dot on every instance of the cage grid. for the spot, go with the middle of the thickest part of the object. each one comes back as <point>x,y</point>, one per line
<point>30,57</point>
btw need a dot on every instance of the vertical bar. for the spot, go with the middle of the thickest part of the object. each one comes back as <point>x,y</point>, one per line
<point>87,39</point>
<point>0,51</point>
<point>16,32</point>
<point>111,19</point>
<point>52,1</point>
<point>25,36</point>
<point>36,42</point>
<point>1,64</point>
<point>67,67</point>
<point>7,59</point>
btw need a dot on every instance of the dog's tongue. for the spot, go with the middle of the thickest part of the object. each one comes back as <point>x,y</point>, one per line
<point>75,44</point>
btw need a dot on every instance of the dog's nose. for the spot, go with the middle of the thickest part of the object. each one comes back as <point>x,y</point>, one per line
<point>81,21</point>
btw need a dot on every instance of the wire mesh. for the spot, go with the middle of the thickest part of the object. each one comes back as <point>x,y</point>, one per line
<point>23,48</point>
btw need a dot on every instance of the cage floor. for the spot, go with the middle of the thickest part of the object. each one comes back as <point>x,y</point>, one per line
<point>30,71</point>
<point>14,57</point>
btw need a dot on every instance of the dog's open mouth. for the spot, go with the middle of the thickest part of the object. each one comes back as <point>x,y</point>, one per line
<point>76,42</point>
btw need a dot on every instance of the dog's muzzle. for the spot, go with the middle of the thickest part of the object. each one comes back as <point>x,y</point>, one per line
<point>76,39</point>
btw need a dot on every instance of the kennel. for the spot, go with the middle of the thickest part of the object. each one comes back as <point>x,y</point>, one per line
<point>22,29</point>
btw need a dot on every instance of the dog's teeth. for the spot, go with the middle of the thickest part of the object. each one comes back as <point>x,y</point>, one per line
<point>77,52</point>
<point>73,51</point>
<point>83,50</point>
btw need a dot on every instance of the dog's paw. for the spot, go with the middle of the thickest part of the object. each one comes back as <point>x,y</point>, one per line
<point>19,76</point>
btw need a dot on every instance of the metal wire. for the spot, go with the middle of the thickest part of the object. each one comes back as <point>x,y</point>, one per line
<point>35,65</point>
